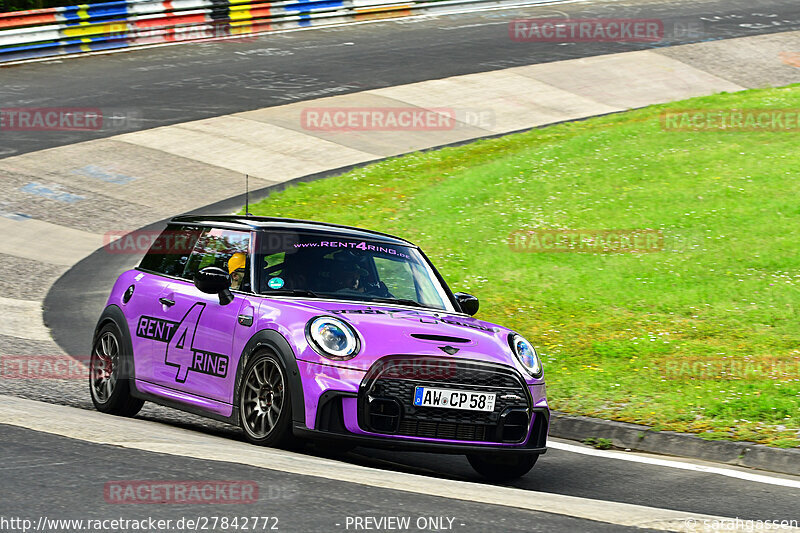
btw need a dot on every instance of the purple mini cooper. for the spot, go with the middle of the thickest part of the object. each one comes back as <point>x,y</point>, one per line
<point>303,330</point>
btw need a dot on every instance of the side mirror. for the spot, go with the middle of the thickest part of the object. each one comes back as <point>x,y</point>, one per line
<point>214,280</point>
<point>468,303</point>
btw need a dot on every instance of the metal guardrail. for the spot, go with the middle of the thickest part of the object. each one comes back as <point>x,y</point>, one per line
<point>123,24</point>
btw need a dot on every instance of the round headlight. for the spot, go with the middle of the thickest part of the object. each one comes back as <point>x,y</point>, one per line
<point>332,338</point>
<point>526,354</point>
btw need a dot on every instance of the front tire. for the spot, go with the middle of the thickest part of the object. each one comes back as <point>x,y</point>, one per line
<point>109,375</point>
<point>265,403</point>
<point>507,467</point>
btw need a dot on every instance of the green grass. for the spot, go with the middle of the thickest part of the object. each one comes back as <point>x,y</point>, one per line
<point>599,443</point>
<point>620,334</point>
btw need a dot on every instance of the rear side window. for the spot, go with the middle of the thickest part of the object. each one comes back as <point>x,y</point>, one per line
<point>171,250</point>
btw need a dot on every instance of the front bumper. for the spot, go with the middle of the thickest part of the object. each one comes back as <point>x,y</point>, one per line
<point>375,408</point>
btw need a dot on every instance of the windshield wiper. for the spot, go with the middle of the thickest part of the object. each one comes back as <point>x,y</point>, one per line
<point>312,294</point>
<point>293,292</point>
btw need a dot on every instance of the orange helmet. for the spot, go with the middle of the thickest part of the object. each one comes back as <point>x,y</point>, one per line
<point>236,262</point>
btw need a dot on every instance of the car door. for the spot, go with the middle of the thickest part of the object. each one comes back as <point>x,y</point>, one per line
<point>197,357</point>
<point>165,261</point>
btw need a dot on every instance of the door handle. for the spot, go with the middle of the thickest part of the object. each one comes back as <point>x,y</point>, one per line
<point>167,302</point>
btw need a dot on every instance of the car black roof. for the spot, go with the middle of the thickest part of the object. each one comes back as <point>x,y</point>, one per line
<point>253,223</point>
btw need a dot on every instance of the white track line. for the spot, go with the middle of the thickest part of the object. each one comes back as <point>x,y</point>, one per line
<point>680,465</point>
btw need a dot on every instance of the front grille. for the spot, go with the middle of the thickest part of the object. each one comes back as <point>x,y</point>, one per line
<point>386,400</point>
<point>445,430</point>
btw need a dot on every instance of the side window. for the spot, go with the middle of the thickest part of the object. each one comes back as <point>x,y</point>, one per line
<point>397,276</point>
<point>170,252</point>
<point>225,249</point>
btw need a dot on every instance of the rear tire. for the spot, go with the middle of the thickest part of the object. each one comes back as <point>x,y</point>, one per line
<point>506,467</point>
<point>110,373</point>
<point>265,403</point>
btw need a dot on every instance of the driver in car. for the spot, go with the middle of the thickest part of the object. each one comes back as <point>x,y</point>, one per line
<point>347,275</point>
<point>236,265</point>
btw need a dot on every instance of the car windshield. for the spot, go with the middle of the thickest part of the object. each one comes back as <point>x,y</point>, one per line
<point>332,266</point>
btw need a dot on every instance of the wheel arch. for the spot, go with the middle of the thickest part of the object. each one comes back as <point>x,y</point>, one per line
<point>270,340</point>
<point>114,315</point>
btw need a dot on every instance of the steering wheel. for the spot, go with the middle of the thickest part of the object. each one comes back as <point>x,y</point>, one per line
<point>378,289</point>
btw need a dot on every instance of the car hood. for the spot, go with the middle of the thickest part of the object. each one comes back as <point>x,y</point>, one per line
<point>389,330</point>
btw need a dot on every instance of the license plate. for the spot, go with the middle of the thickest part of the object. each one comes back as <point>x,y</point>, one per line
<point>454,399</point>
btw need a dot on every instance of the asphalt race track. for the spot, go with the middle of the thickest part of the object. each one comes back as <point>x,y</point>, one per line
<point>44,474</point>
<point>287,495</point>
<point>174,84</point>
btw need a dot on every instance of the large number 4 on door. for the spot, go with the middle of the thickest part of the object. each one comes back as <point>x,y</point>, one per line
<point>182,353</point>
